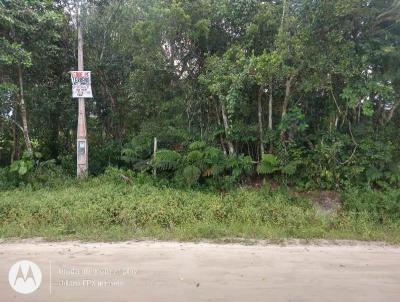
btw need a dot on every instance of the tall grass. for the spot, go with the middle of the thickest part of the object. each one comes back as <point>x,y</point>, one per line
<point>106,208</point>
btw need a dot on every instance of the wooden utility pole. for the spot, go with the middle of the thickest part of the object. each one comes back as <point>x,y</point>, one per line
<point>81,140</point>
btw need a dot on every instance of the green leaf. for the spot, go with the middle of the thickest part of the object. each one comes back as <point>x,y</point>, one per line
<point>14,166</point>
<point>23,169</point>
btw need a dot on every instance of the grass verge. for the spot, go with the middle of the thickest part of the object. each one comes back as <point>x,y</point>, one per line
<point>104,209</point>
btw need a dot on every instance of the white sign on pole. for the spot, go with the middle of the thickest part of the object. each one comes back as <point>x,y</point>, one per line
<point>81,84</point>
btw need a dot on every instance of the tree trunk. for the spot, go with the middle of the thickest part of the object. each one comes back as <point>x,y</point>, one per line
<point>270,108</point>
<point>226,127</point>
<point>288,88</point>
<point>260,121</point>
<point>391,113</point>
<point>219,124</point>
<point>15,140</point>
<point>285,105</point>
<point>283,15</point>
<point>23,114</point>
<point>155,146</point>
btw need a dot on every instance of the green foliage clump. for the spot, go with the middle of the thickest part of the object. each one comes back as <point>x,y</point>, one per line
<point>33,173</point>
<point>198,165</point>
<point>191,175</point>
<point>382,206</point>
<point>268,165</point>
<point>166,160</point>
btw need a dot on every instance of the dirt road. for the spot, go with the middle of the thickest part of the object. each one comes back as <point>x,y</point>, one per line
<point>169,271</point>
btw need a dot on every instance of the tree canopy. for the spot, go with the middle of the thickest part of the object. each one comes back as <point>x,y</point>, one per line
<point>307,90</point>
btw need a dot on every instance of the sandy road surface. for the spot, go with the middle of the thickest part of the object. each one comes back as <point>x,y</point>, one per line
<point>169,271</point>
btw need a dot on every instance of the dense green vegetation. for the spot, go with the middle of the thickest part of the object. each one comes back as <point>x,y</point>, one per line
<point>314,83</point>
<point>114,208</point>
<point>297,94</point>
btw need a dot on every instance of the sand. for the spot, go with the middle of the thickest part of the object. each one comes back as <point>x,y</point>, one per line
<point>173,271</point>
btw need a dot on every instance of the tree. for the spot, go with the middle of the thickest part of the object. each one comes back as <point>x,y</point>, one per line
<point>27,27</point>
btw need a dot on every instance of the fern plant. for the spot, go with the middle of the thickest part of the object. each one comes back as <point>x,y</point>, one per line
<point>291,168</point>
<point>214,161</point>
<point>136,153</point>
<point>198,145</point>
<point>209,160</point>
<point>195,158</point>
<point>268,164</point>
<point>191,175</point>
<point>240,165</point>
<point>166,160</point>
